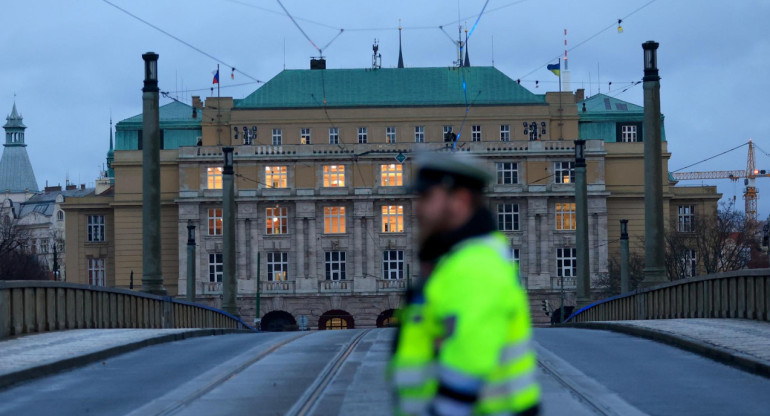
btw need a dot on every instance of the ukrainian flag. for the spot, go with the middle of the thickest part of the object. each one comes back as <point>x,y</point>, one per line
<point>555,68</point>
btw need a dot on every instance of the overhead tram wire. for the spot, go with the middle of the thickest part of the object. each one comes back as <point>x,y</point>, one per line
<point>584,41</point>
<point>709,158</point>
<point>181,40</point>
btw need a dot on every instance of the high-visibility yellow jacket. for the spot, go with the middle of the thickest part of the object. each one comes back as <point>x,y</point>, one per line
<point>464,343</point>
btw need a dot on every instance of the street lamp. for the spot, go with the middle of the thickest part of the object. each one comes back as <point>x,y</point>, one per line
<point>228,166</point>
<point>229,280</point>
<point>150,71</point>
<point>625,285</point>
<point>583,281</point>
<point>190,261</point>
<point>650,61</point>
<point>580,153</point>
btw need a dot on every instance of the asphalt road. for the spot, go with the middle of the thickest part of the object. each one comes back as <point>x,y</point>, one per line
<point>583,372</point>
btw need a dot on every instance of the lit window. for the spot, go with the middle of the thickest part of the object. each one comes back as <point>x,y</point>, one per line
<point>304,135</point>
<point>215,221</point>
<point>334,220</point>
<point>335,265</point>
<point>508,217</point>
<point>334,135</point>
<point>507,173</point>
<point>275,176</point>
<point>686,218</point>
<point>505,133</point>
<point>564,172</point>
<point>363,132</point>
<point>277,137</point>
<point>277,266</point>
<point>214,178</point>
<point>391,175</point>
<point>565,215</point>
<point>419,134</point>
<point>215,267</point>
<point>336,324</point>
<point>566,263</point>
<point>334,176</point>
<point>96,272</point>
<point>390,135</point>
<point>392,218</point>
<point>277,220</point>
<point>476,133</point>
<point>393,264</point>
<point>95,228</point>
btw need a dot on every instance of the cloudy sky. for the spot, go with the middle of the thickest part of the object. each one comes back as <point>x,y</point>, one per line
<point>72,64</point>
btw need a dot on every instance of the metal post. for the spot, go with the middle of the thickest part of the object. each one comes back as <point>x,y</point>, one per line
<point>257,314</point>
<point>581,229</point>
<point>625,284</point>
<point>152,277</point>
<point>229,280</point>
<point>190,261</point>
<point>654,266</point>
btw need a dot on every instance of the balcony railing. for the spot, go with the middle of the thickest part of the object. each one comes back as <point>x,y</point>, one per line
<point>210,288</point>
<point>391,285</point>
<point>568,282</point>
<point>277,287</point>
<point>335,286</point>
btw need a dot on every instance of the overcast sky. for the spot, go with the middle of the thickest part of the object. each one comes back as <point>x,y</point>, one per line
<point>73,63</point>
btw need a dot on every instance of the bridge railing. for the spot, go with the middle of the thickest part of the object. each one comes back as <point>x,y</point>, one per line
<point>737,294</point>
<point>41,306</point>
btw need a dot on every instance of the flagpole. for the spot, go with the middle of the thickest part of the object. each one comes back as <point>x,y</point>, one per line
<point>219,82</point>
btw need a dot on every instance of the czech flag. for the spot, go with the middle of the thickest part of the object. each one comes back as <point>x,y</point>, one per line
<point>216,77</point>
<point>555,68</point>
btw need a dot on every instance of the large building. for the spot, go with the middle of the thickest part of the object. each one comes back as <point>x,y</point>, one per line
<point>324,221</point>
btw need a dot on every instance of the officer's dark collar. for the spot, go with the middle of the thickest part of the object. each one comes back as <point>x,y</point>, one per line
<point>439,244</point>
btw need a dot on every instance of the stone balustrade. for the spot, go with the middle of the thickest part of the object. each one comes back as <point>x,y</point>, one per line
<point>40,306</point>
<point>743,294</point>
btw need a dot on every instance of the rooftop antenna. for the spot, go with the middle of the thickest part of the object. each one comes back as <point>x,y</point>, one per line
<point>400,55</point>
<point>565,73</point>
<point>376,56</point>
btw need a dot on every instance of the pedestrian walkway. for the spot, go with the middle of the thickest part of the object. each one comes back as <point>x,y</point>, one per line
<point>739,342</point>
<point>37,355</point>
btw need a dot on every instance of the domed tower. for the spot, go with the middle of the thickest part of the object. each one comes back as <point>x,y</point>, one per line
<point>16,174</point>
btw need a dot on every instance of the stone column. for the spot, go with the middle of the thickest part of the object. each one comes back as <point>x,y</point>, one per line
<point>229,279</point>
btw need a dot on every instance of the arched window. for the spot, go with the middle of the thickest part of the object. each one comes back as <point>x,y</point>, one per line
<point>60,215</point>
<point>336,319</point>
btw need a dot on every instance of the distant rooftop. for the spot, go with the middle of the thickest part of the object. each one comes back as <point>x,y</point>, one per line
<point>43,203</point>
<point>173,114</point>
<point>389,87</point>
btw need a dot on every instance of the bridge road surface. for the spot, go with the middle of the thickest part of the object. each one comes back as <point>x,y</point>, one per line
<point>583,372</point>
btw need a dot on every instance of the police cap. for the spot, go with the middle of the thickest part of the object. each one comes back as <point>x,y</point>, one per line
<point>451,170</point>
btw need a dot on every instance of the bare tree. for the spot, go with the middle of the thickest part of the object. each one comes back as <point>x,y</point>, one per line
<point>16,261</point>
<point>721,242</point>
<point>610,282</point>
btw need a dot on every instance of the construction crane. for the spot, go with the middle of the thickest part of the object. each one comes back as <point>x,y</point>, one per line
<point>750,176</point>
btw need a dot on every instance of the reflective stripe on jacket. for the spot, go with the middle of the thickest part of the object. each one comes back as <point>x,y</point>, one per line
<point>464,344</point>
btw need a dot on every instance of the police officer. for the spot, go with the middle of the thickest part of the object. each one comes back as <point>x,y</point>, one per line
<point>463,347</point>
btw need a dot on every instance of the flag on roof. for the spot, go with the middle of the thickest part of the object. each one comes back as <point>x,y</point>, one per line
<point>216,77</point>
<point>555,68</point>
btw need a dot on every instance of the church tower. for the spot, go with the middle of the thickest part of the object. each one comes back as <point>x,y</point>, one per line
<point>16,174</point>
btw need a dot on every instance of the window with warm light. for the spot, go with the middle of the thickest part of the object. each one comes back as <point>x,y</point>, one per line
<point>214,178</point>
<point>277,220</point>
<point>390,135</point>
<point>392,175</point>
<point>334,220</point>
<point>277,266</point>
<point>565,216</point>
<point>392,218</point>
<point>334,176</point>
<point>215,221</point>
<point>304,135</point>
<point>275,176</point>
<point>564,172</point>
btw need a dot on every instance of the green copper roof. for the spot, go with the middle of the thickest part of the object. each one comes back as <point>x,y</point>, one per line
<point>13,121</point>
<point>389,87</point>
<point>173,114</point>
<point>16,174</point>
<point>604,104</point>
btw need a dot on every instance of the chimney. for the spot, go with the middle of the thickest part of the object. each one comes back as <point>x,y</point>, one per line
<point>71,187</point>
<point>319,63</point>
<point>82,186</point>
<point>196,102</point>
<point>52,188</point>
<point>580,95</point>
